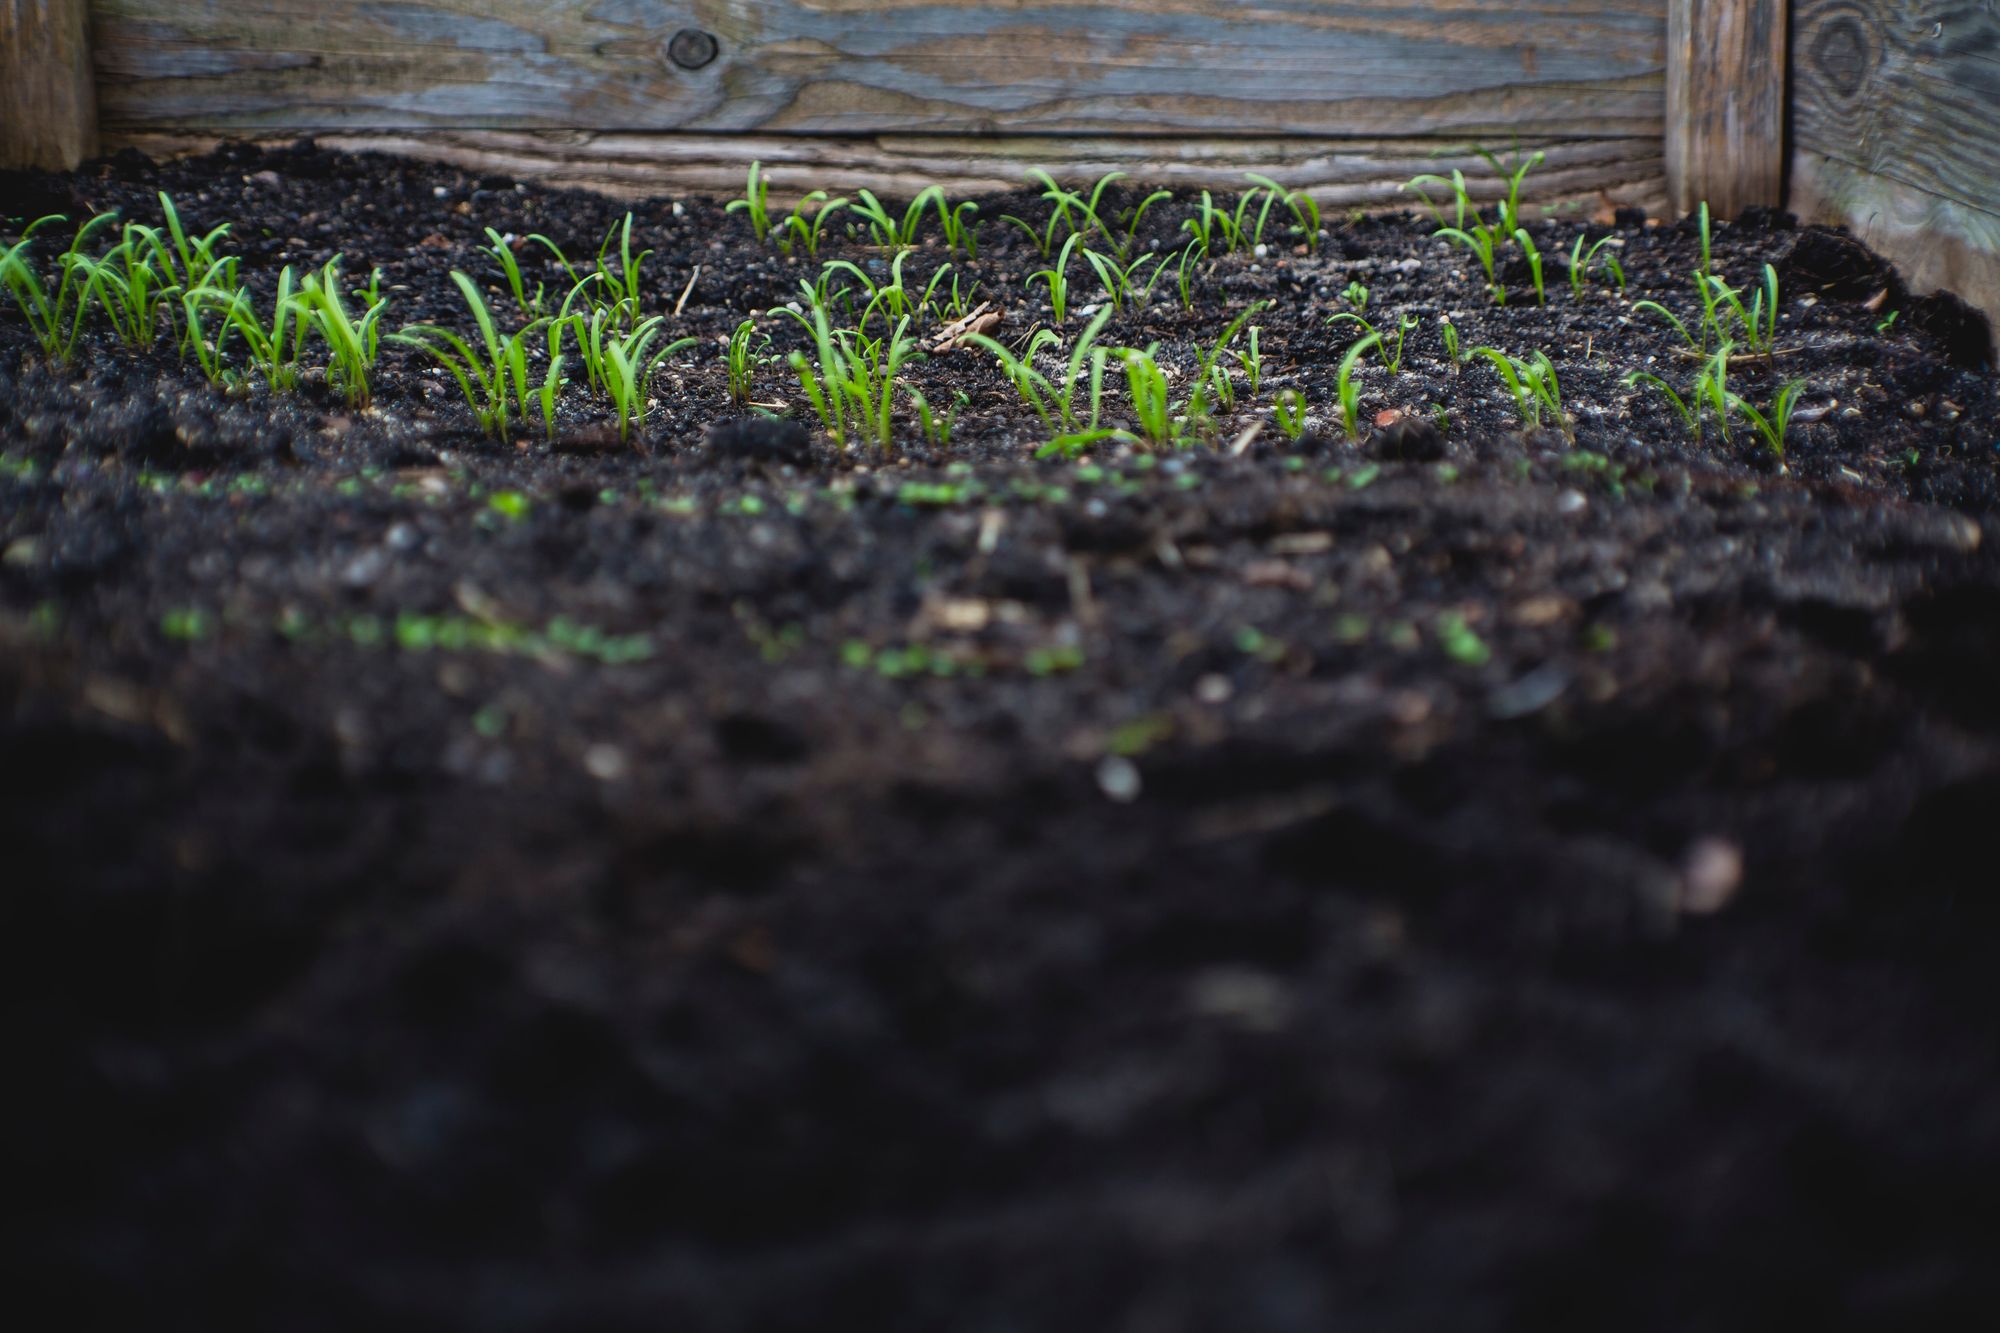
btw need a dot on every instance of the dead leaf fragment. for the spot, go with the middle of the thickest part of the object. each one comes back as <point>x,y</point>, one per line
<point>982,319</point>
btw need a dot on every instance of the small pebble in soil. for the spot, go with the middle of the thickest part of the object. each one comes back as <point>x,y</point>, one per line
<point>1571,502</point>
<point>1118,778</point>
<point>605,762</point>
<point>1711,873</point>
<point>1213,689</point>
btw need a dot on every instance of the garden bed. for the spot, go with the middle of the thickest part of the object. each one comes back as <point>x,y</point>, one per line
<point>1449,877</point>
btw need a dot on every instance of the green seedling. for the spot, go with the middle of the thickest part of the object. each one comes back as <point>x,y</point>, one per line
<point>135,284</point>
<point>1345,389</point>
<point>1581,262</point>
<point>1184,282</point>
<point>851,381</point>
<point>200,265</point>
<point>884,229</point>
<point>211,353</point>
<point>1252,360</point>
<point>1449,332</point>
<point>1480,241</point>
<point>755,203</point>
<point>936,428</point>
<point>1081,216</point>
<point>1209,375</point>
<point>1510,206</point>
<point>961,304</point>
<point>493,378</point>
<point>551,390</point>
<point>625,364</point>
<point>351,344</point>
<point>961,232</point>
<point>743,358</point>
<point>1288,409</point>
<point>274,349</point>
<point>1772,427</point>
<point>1147,394</point>
<point>1461,643</point>
<point>892,297</point>
<point>621,282</point>
<point>1391,354</point>
<point>1055,403</point>
<point>1356,295</point>
<point>510,268</point>
<point>1711,386</point>
<point>1883,325</point>
<point>55,318</point>
<point>1758,324</point>
<point>1301,205</point>
<point>1122,282</point>
<point>1702,213</point>
<point>1462,198</point>
<point>805,229</point>
<point>1130,220</point>
<point>1690,416</point>
<point>1527,244</point>
<point>1533,384</point>
<point>1057,278</point>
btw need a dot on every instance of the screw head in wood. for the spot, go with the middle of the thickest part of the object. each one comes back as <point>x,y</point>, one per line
<point>691,48</point>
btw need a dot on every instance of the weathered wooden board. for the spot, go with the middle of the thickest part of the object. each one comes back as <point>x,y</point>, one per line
<point>1896,133</point>
<point>1725,127</point>
<point>1574,68</point>
<point>48,98</point>
<point>1596,174</point>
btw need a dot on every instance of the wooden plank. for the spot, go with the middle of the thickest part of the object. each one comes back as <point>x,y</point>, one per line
<point>1487,68</point>
<point>48,98</point>
<point>1725,104</point>
<point>1598,174</point>
<point>1896,134</point>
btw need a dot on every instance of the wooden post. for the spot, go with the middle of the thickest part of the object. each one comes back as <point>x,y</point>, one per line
<point>1725,104</point>
<point>48,94</point>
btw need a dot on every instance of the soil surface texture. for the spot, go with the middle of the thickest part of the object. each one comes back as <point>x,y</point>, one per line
<point>1462,877</point>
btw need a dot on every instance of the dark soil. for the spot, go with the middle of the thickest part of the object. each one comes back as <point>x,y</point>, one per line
<point>1291,888</point>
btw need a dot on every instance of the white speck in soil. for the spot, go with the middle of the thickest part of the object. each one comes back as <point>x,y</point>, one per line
<point>1571,502</point>
<point>1213,689</point>
<point>1710,876</point>
<point>1118,778</point>
<point>605,762</point>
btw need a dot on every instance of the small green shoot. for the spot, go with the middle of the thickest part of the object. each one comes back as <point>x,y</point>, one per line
<point>1288,409</point>
<point>1346,391</point>
<point>755,203</point>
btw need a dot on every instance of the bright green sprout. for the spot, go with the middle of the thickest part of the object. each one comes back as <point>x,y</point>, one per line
<point>1580,264</point>
<point>56,319</point>
<point>1533,384</point>
<point>494,378</point>
<point>351,344</point>
<point>743,358</point>
<point>1391,354</point>
<point>1057,278</point>
<point>1288,409</point>
<point>1121,282</point>
<point>1345,389</point>
<point>1772,427</point>
<point>1527,244</point>
<point>755,202</point>
<point>805,229</point>
<point>1301,205</point>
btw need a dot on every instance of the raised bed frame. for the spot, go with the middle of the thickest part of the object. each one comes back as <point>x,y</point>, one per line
<point>1872,113</point>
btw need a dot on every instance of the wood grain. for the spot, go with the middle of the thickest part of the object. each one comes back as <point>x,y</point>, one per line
<point>1725,104</point>
<point>1896,133</point>
<point>1488,68</point>
<point>48,98</point>
<point>1599,174</point>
